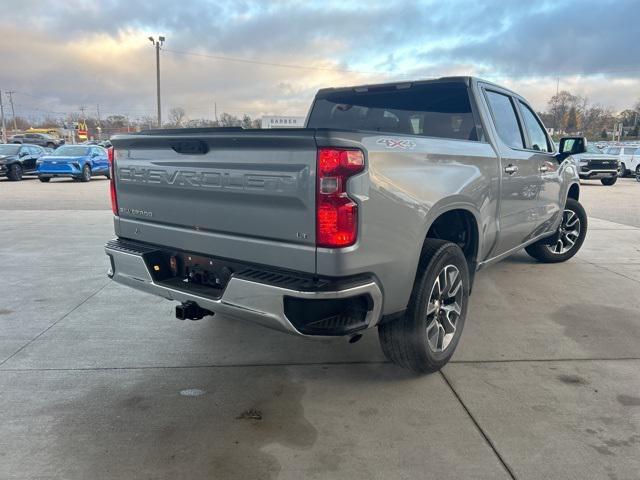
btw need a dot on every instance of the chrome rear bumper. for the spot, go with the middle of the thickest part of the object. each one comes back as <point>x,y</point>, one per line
<point>244,299</point>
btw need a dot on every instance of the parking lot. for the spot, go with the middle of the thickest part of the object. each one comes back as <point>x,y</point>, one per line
<point>100,381</point>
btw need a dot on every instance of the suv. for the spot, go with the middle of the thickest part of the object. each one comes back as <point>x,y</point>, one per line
<point>625,155</point>
<point>18,160</point>
<point>41,139</point>
<point>591,163</point>
<point>377,214</point>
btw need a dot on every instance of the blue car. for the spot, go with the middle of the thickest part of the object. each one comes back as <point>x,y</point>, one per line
<point>79,162</point>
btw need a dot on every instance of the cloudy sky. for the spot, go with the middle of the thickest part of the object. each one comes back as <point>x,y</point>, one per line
<point>269,57</point>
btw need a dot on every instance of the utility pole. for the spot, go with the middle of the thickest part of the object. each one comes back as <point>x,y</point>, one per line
<point>158,43</point>
<point>13,112</point>
<point>99,126</point>
<point>4,126</point>
<point>215,112</point>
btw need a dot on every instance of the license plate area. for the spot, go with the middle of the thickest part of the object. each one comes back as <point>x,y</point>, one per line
<point>189,272</point>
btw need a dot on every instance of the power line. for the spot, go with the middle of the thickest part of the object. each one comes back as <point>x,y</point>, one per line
<point>272,64</point>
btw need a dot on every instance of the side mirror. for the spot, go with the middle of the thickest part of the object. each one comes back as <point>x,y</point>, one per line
<point>23,154</point>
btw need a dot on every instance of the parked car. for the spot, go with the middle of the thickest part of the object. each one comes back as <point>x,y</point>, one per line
<point>625,155</point>
<point>18,160</point>
<point>634,163</point>
<point>79,162</point>
<point>590,162</point>
<point>41,139</point>
<point>376,215</point>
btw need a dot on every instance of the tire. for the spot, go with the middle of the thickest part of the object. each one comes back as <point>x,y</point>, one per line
<point>609,181</point>
<point>108,175</point>
<point>44,179</point>
<point>51,145</point>
<point>623,170</point>
<point>15,172</point>
<point>85,176</point>
<point>638,173</point>
<point>425,337</point>
<point>558,251</point>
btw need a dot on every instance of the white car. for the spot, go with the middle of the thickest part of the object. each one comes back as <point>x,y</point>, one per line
<point>627,155</point>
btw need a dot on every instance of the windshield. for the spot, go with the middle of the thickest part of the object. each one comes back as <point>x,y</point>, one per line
<point>9,149</point>
<point>592,149</point>
<point>71,151</point>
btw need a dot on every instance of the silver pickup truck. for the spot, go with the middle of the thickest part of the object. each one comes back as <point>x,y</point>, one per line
<point>377,214</point>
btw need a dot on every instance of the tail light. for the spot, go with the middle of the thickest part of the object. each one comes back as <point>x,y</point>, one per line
<point>112,179</point>
<point>336,212</point>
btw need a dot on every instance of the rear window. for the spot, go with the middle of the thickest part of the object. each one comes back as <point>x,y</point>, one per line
<point>441,110</point>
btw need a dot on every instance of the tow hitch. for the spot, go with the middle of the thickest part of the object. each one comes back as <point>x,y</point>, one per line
<point>191,311</point>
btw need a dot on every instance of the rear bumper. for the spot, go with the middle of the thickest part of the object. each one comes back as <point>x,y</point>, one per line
<point>257,301</point>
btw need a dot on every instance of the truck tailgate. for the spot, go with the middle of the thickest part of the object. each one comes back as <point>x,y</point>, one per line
<point>244,195</point>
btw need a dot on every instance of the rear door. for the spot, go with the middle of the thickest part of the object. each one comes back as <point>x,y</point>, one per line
<point>248,195</point>
<point>520,174</point>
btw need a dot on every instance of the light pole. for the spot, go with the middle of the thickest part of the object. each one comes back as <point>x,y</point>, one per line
<point>158,43</point>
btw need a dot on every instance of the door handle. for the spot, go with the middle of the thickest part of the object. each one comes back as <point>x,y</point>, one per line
<point>510,169</point>
<point>544,168</point>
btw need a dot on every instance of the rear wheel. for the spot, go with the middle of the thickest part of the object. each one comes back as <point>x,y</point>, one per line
<point>15,172</point>
<point>44,179</point>
<point>609,181</point>
<point>86,174</point>
<point>567,240</point>
<point>425,337</point>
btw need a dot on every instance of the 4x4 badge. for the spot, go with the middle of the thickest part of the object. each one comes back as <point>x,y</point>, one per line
<point>397,144</point>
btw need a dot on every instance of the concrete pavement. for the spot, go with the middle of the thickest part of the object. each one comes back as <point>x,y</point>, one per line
<point>99,381</point>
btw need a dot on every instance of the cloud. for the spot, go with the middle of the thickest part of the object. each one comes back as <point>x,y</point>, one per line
<point>89,53</point>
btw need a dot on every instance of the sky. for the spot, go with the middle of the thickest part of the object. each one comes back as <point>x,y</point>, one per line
<point>270,57</point>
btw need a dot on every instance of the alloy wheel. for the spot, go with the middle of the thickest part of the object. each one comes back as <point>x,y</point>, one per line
<point>568,234</point>
<point>444,308</point>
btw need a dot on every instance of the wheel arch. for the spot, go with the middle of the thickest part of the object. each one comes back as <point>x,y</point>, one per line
<point>459,224</point>
<point>574,191</point>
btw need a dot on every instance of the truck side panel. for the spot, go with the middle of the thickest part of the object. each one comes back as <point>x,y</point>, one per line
<point>401,193</point>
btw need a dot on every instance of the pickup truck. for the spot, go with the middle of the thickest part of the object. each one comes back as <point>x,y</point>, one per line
<point>591,163</point>
<point>377,214</point>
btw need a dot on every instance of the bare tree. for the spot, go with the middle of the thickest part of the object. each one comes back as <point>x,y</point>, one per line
<point>177,116</point>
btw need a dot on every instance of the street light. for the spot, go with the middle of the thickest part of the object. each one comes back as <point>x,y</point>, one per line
<point>158,44</point>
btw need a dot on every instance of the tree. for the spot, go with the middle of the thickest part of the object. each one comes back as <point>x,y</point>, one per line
<point>627,117</point>
<point>559,106</point>
<point>571,119</point>
<point>228,120</point>
<point>177,116</point>
<point>246,121</point>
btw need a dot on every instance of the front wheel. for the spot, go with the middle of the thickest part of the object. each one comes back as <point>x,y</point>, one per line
<point>44,179</point>
<point>86,174</point>
<point>609,181</point>
<point>425,337</point>
<point>623,170</point>
<point>567,240</point>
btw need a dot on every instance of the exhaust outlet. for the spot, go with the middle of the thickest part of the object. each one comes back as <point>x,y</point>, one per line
<point>191,311</point>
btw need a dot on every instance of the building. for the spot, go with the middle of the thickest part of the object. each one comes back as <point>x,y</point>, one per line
<point>277,121</point>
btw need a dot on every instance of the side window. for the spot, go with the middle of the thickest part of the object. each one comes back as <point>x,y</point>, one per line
<point>505,119</point>
<point>23,150</point>
<point>629,151</point>
<point>537,134</point>
<point>613,151</point>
